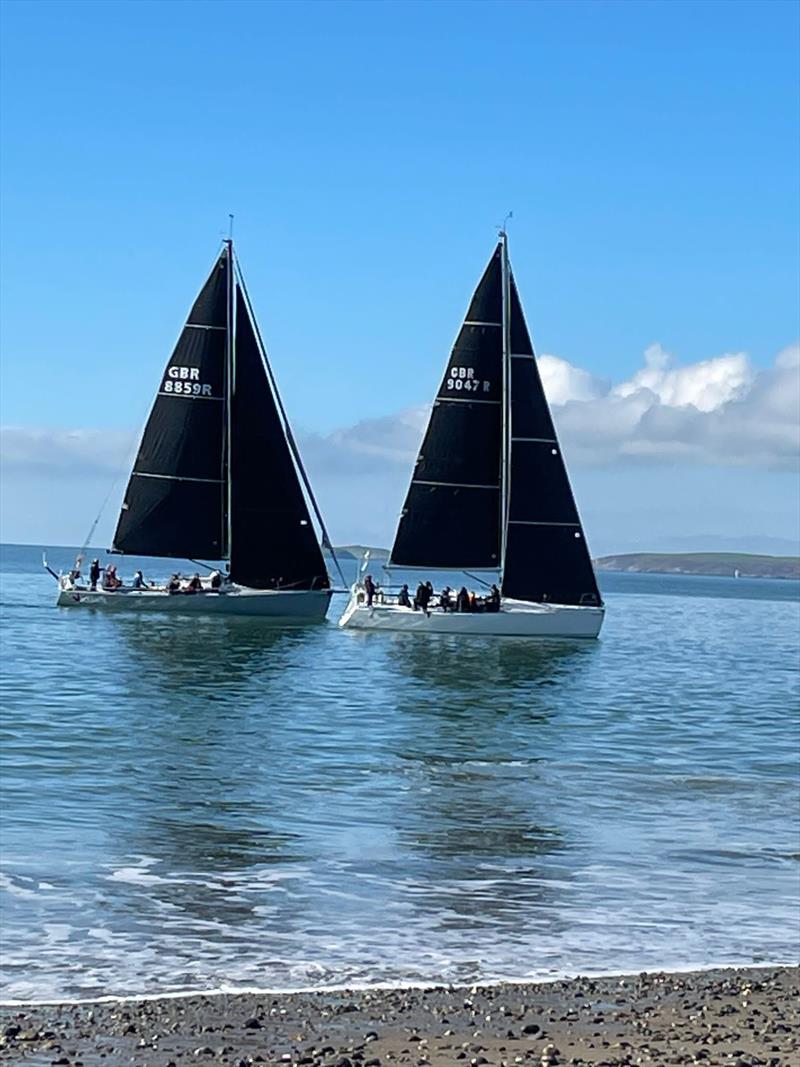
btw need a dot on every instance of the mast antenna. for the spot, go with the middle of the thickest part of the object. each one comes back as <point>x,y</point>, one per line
<point>230,227</point>
<point>501,230</point>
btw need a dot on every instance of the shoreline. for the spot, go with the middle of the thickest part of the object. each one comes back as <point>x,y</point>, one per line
<point>739,1016</point>
<point>421,986</point>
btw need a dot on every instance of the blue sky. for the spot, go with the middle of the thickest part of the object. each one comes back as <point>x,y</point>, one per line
<point>649,152</point>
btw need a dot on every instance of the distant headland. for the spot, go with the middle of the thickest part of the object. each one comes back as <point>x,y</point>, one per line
<point>719,564</point>
<point>712,564</point>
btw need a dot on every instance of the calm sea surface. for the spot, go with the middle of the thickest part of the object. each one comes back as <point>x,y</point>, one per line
<point>204,803</point>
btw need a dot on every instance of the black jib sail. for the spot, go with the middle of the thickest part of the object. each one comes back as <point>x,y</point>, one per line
<point>174,504</point>
<point>451,516</point>
<point>273,542</point>
<point>546,556</point>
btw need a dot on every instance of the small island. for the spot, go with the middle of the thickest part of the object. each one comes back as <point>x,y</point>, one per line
<point>715,564</point>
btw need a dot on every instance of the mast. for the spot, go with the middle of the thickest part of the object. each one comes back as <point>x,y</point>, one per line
<point>505,445</point>
<point>230,382</point>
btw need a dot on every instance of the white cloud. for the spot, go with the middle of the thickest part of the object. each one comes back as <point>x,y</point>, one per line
<point>562,382</point>
<point>719,411</point>
<point>705,385</point>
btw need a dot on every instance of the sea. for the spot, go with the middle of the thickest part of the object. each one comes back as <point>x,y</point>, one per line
<point>196,803</point>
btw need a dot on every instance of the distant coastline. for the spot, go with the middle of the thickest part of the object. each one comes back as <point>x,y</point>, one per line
<point>712,564</point>
<point>708,564</point>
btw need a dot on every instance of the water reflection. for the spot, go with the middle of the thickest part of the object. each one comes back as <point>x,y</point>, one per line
<point>463,665</point>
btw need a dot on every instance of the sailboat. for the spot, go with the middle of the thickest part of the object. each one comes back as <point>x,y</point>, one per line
<point>218,476</point>
<point>490,491</point>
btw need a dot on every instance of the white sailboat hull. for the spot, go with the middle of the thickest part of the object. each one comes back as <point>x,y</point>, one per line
<point>282,607</point>
<point>516,618</point>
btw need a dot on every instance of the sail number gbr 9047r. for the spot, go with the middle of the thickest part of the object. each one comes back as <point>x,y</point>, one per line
<point>462,379</point>
<point>185,381</point>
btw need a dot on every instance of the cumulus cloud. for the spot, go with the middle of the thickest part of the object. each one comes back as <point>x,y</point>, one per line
<point>719,411</point>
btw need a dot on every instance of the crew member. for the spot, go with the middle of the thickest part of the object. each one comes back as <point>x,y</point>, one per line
<point>444,599</point>
<point>403,598</point>
<point>422,597</point>
<point>369,589</point>
<point>215,580</point>
<point>94,574</point>
<point>112,582</point>
<point>494,599</point>
<point>194,585</point>
<point>462,600</point>
<point>138,581</point>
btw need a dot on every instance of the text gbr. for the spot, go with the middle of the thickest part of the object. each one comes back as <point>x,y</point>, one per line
<point>185,380</point>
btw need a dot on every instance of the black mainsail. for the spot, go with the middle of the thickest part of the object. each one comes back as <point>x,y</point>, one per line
<point>217,475</point>
<point>174,504</point>
<point>451,516</point>
<point>490,489</point>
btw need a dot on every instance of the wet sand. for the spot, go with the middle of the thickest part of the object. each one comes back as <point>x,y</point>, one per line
<point>745,1017</point>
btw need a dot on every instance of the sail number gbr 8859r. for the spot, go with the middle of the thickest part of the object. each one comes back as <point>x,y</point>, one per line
<point>185,381</point>
<point>462,379</point>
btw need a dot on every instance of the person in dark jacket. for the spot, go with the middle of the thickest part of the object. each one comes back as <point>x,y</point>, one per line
<point>403,598</point>
<point>445,599</point>
<point>423,596</point>
<point>462,600</point>
<point>94,573</point>
<point>493,603</point>
<point>369,589</point>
